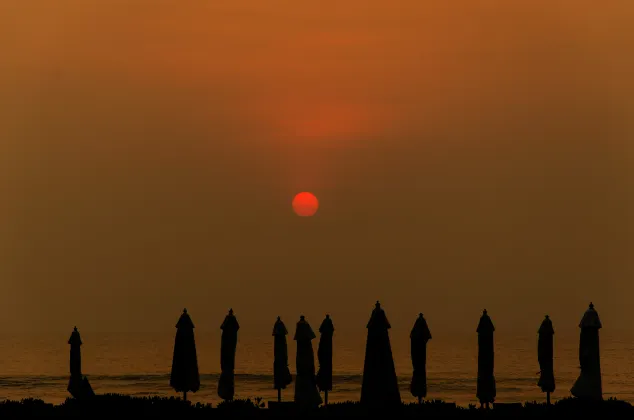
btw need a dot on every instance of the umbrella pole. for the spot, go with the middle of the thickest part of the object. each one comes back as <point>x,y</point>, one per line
<point>326,397</point>
<point>279,395</point>
<point>184,395</point>
<point>420,400</point>
<point>548,398</point>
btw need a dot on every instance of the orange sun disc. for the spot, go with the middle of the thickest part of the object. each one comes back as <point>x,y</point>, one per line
<point>305,204</point>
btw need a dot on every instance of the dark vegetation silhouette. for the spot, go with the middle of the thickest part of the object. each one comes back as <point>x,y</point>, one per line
<point>545,358</point>
<point>379,387</point>
<point>486,380</point>
<point>78,385</point>
<point>306,393</point>
<point>281,374</point>
<point>419,337</point>
<point>114,405</point>
<point>184,377</point>
<point>324,355</point>
<point>588,385</point>
<point>228,345</point>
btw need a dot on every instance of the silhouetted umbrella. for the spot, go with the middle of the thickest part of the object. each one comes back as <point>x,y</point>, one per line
<point>379,388</point>
<point>419,337</point>
<point>306,393</point>
<point>78,386</point>
<point>281,374</point>
<point>228,344</point>
<point>185,377</point>
<point>486,380</point>
<point>324,354</point>
<point>588,385</point>
<point>74,385</point>
<point>545,357</point>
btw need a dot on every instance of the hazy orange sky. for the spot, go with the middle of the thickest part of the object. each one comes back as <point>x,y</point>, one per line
<point>465,154</point>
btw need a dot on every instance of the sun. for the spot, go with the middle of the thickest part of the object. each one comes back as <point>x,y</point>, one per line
<point>305,204</point>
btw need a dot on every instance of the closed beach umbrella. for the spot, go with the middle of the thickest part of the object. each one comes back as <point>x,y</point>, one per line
<point>76,378</point>
<point>324,354</point>
<point>379,388</point>
<point>281,374</point>
<point>78,386</point>
<point>419,337</point>
<point>228,344</point>
<point>185,377</point>
<point>545,357</point>
<point>486,380</point>
<point>588,385</point>
<point>306,393</point>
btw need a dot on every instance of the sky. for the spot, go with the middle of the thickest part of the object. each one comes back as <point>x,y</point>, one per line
<point>466,155</point>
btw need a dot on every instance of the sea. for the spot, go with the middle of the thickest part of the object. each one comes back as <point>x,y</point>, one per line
<point>37,366</point>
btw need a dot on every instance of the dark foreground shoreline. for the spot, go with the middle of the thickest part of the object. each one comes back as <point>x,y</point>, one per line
<point>114,405</point>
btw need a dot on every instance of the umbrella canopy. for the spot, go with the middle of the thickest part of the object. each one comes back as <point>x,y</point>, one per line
<point>75,353</point>
<point>184,377</point>
<point>306,393</point>
<point>419,337</point>
<point>324,354</point>
<point>380,385</point>
<point>545,356</point>
<point>228,344</point>
<point>281,374</point>
<point>588,385</point>
<point>486,380</point>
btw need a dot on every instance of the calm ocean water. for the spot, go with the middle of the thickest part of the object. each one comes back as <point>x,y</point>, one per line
<point>140,365</point>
